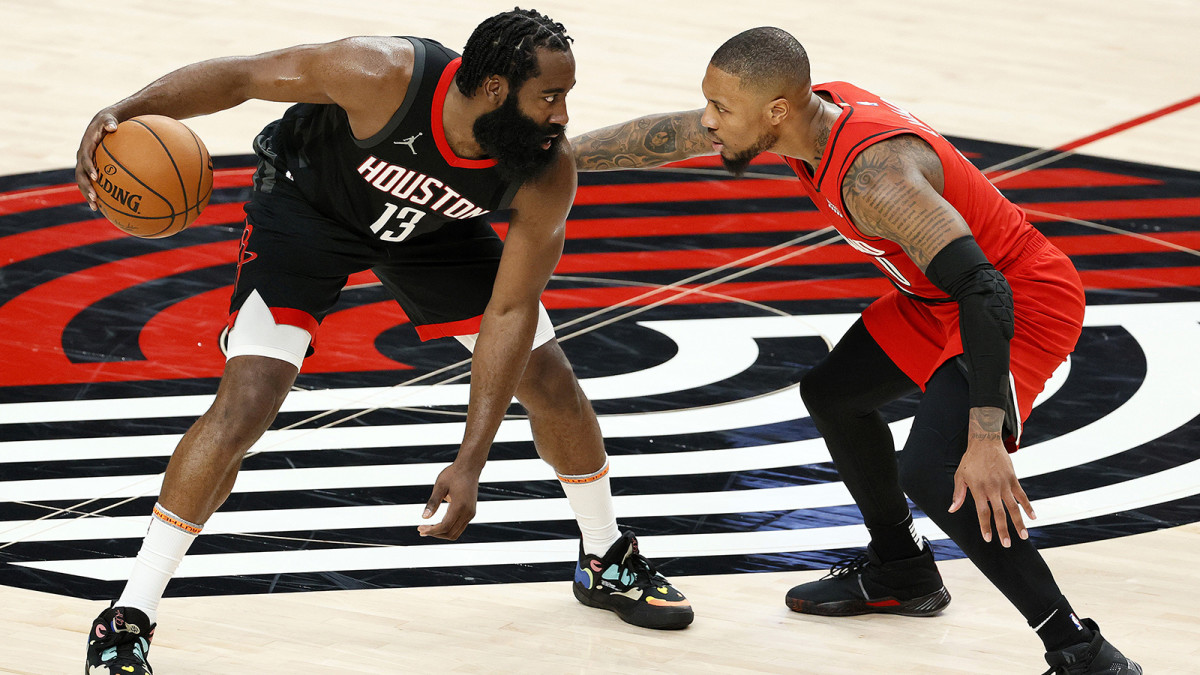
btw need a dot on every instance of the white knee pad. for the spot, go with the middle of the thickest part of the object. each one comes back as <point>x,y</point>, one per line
<point>255,332</point>
<point>543,334</point>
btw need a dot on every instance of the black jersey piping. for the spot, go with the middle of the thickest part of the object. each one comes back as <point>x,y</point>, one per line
<point>410,96</point>
<point>829,146</point>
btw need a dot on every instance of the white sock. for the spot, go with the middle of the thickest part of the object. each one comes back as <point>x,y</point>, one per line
<point>165,544</point>
<point>591,499</point>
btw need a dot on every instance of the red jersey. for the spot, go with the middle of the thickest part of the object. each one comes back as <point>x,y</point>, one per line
<point>999,226</point>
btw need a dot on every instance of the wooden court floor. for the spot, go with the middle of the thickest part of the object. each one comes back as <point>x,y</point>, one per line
<point>1026,73</point>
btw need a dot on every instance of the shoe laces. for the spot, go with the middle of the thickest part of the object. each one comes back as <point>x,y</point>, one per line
<point>644,573</point>
<point>130,651</point>
<point>848,566</point>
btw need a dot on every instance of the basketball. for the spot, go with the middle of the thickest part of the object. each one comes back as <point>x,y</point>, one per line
<point>154,176</point>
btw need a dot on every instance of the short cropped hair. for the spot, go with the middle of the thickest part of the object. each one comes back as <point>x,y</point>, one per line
<point>764,57</point>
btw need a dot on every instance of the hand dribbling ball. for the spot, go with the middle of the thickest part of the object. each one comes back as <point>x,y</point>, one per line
<point>154,176</point>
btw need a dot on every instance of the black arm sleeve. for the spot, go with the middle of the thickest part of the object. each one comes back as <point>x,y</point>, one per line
<point>985,317</point>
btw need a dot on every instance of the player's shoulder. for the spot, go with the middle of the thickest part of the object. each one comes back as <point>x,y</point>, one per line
<point>903,157</point>
<point>373,56</point>
<point>556,185</point>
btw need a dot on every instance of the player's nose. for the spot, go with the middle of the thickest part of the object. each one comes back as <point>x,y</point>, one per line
<point>559,115</point>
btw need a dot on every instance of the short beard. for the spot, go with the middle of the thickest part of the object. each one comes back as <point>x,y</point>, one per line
<point>738,164</point>
<point>514,140</point>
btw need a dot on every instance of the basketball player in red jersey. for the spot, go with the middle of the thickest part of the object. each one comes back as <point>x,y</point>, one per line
<point>983,311</point>
<point>397,148</point>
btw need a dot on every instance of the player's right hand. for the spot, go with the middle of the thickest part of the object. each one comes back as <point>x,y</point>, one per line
<point>85,165</point>
<point>460,487</point>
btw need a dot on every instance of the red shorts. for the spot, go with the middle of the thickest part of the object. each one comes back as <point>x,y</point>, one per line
<point>1048,303</point>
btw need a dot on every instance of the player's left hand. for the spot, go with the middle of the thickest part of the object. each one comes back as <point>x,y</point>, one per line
<point>986,471</point>
<point>459,487</point>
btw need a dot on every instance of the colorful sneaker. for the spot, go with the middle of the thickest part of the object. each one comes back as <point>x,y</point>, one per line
<point>119,643</point>
<point>1097,656</point>
<point>865,584</point>
<point>626,583</point>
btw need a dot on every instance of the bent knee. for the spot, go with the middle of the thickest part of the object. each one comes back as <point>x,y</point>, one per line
<point>549,382</point>
<point>819,394</point>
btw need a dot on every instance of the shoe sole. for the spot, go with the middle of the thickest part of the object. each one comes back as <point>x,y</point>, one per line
<point>658,618</point>
<point>926,605</point>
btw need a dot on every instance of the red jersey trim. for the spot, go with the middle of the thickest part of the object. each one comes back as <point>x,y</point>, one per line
<point>288,317</point>
<point>449,329</point>
<point>439,131</point>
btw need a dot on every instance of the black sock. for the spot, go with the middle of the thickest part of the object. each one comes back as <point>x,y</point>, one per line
<point>1059,627</point>
<point>896,542</point>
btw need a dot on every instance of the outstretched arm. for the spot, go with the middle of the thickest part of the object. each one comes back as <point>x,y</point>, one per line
<point>642,143</point>
<point>532,247</point>
<point>366,76</point>
<point>893,190</point>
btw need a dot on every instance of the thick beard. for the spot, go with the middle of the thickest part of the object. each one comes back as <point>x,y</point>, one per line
<point>515,140</point>
<point>738,164</point>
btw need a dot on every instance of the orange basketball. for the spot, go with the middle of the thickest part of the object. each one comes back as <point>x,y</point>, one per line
<point>154,176</point>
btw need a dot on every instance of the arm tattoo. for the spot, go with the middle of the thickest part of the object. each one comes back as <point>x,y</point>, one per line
<point>642,143</point>
<point>891,190</point>
<point>986,424</point>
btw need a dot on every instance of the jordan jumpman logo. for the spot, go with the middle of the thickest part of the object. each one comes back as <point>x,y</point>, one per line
<point>409,142</point>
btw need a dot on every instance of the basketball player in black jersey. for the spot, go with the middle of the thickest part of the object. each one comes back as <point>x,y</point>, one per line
<point>395,151</point>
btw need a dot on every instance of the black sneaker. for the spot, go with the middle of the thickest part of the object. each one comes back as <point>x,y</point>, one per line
<point>864,584</point>
<point>1097,656</point>
<point>119,642</point>
<point>624,582</point>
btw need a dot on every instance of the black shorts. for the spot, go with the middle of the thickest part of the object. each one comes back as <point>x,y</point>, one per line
<point>299,260</point>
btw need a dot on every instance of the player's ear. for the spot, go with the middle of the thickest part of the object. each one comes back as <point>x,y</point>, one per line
<point>778,110</point>
<point>495,88</point>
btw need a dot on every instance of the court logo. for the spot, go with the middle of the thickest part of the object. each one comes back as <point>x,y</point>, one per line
<point>689,312</point>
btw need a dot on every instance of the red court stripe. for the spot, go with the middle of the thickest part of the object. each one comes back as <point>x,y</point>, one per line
<point>1117,209</point>
<point>1123,126</point>
<point>690,191</point>
<point>20,201</point>
<point>765,159</point>
<point>1070,178</point>
<point>26,245</point>
<point>660,226</point>
<point>42,313</point>
<point>837,254</point>
<point>702,259</point>
<point>1148,277</point>
<point>1099,244</point>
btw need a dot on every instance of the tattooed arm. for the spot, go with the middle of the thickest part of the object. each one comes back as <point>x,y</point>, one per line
<point>642,143</point>
<point>893,190</point>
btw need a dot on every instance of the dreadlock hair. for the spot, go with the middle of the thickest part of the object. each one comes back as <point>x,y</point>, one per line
<point>764,57</point>
<point>506,44</point>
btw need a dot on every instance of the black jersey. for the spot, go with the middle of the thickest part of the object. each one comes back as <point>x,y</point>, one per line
<point>398,184</point>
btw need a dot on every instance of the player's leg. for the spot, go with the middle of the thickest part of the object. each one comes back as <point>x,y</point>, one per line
<point>199,478</point>
<point>444,283</point>
<point>275,306</point>
<point>843,394</point>
<point>611,574</point>
<point>931,456</point>
<point>566,435</point>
